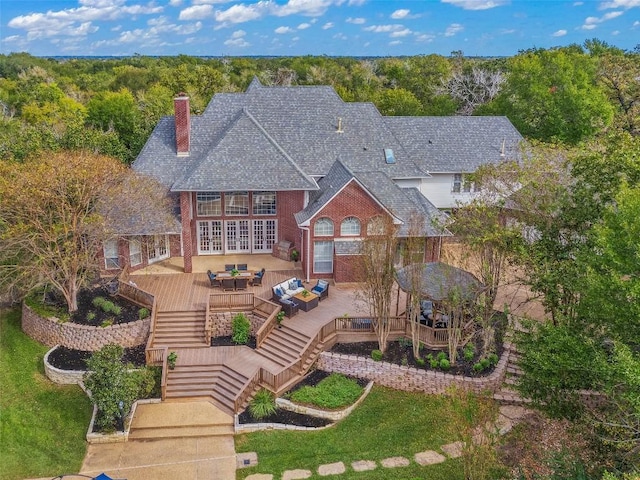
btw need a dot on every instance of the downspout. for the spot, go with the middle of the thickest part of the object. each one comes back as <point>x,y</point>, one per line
<point>306,252</point>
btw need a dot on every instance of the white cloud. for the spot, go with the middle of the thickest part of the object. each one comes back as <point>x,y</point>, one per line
<point>615,33</point>
<point>400,33</point>
<point>636,24</point>
<point>425,38</point>
<point>356,3</point>
<point>327,26</point>
<point>356,21</point>
<point>242,13</point>
<point>626,4</point>
<point>476,4</point>
<point>312,8</point>
<point>304,26</point>
<point>384,28</point>
<point>237,39</point>
<point>196,12</point>
<point>238,34</point>
<point>282,30</point>
<point>340,36</point>
<point>559,33</point>
<point>453,29</point>
<point>399,14</point>
<point>395,42</point>
<point>77,21</point>
<point>578,4</point>
<point>175,3</point>
<point>591,22</point>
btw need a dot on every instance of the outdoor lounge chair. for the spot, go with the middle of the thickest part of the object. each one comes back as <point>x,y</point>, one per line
<point>215,282</point>
<point>229,266</point>
<point>289,307</point>
<point>321,289</point>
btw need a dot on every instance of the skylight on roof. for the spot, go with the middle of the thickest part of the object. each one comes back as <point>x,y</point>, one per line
<point>389,157</point>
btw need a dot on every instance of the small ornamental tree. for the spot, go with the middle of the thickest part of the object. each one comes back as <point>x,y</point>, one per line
<point>111,381</point>
<point>57,210</point>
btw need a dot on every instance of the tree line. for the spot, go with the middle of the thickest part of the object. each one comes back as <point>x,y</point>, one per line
<point>566,95</point>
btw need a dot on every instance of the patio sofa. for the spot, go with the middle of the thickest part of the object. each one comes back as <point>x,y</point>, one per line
<point>287,289</point>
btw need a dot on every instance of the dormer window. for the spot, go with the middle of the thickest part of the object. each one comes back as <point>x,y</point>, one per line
<point>389,157</point>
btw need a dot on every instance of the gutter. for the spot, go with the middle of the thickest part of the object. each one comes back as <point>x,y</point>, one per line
<point>306,251</point>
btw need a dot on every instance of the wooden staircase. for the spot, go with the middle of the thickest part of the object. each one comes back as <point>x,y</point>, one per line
<point>508,394</point>
<point>283,346</point>
<point>181,329</point>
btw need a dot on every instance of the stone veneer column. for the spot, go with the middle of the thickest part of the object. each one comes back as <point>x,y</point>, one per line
<point>187,241</point>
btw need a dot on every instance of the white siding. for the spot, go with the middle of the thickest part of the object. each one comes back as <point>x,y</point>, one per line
<point>438,189</point>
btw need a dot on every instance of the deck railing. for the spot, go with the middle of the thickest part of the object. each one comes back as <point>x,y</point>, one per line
<point>135,294</point>
<point>165,372</point>
<point>246,390</point>
<point>220,302</point>
<point>270,308</point>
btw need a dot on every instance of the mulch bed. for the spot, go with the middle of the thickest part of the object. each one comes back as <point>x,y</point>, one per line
<point>227,342</point>
<point>291,418</point>
<point>69,359</point>
<point>88,314</point>
<point>401,353</point>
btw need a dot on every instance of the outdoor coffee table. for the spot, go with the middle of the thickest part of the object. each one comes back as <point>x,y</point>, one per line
<point>307,303</point>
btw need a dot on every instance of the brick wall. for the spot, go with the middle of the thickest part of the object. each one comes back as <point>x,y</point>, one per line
<point>289,203</point>
<point>50,332</point>
<point>410,379</point>
<point>352,201</point>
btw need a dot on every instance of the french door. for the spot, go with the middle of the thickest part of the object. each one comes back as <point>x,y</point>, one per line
<point>236,236</point>
<point>265,235</point>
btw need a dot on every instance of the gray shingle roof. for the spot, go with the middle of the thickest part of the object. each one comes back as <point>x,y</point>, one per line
<point>456,144</point>
<point>439,280</point>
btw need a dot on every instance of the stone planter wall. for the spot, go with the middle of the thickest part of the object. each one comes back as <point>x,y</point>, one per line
<point>221,323</point>
<point>61,377</point>
<point>50,332</point>
<point>411,379</point>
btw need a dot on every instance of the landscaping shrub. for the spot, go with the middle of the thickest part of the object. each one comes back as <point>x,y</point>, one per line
<point>143,313</point>
<point>335,391</point>
<point>420,362</point>
<point>468,352</point>
<point>263,404</point>
<point>493,359</point>
<point>111,381</point>
<point>445,364</point>
<point>98,302</point>
<point>241,329</point>
<point>376,355</point>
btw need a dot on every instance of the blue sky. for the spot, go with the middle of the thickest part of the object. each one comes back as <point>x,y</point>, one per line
<point>311,27</point>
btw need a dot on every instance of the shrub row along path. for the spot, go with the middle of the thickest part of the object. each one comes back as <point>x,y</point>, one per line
<point>508,417</point>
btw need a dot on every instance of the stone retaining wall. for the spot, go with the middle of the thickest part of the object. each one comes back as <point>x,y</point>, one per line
<point>61,377</point>
<point>50,332</point>
<point>221,323</point>
<point>410,379</point>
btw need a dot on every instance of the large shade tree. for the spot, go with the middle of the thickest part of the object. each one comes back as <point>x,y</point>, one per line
<point>56,210</point>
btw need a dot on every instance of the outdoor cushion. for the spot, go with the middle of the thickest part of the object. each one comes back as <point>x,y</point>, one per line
<point>293,284</point>
<point>300,284</point>
<point>278,291</point>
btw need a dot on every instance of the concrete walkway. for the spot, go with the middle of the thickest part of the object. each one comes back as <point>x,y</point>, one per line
<point>194,454</point>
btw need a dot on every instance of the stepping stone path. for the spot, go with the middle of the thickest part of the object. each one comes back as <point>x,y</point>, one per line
<point>393,462</point>
<point>331,469</point>
<point>296,474</point>
<point>364,465</point>
<point>428,457</point>
<point>508,417</point>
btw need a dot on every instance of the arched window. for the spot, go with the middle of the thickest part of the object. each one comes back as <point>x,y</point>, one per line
<point>350,226</point>
<point>376,226</point>
<point>323,227</point>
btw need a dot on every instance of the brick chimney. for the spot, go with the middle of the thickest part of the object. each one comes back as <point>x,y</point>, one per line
<point>183,124</point>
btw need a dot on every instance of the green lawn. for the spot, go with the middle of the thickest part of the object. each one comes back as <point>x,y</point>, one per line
<point>42,425</point>
<point>389,423</point>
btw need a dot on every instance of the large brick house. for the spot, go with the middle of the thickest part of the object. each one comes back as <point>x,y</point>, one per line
<point>298,165</point>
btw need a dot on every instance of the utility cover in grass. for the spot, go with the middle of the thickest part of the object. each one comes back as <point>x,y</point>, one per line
<point>335,391</point>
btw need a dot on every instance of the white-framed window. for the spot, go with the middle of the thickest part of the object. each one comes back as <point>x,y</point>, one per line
<point>461,184</point>
<point>350,226</point>
<point>323,257</point>
<point>111,257</point>
<point>236,203</point>
<point>323,227</point>
<point>208,204</point>
<point>376,226</point>
<point>264,203</point>
<point>135,251</point>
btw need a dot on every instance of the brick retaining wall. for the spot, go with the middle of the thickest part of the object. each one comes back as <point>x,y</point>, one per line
<point>50,332</point>
<point>410,379</point>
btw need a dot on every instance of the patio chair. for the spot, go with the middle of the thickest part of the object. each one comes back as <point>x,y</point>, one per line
<point>228,284</point>
<point>289,307</point>
<point>241,283</point>
<point>257,280</point>
<point>229,266</point>
<point>242,267</point>
<point>321,289</point>
<point>215,282</point>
